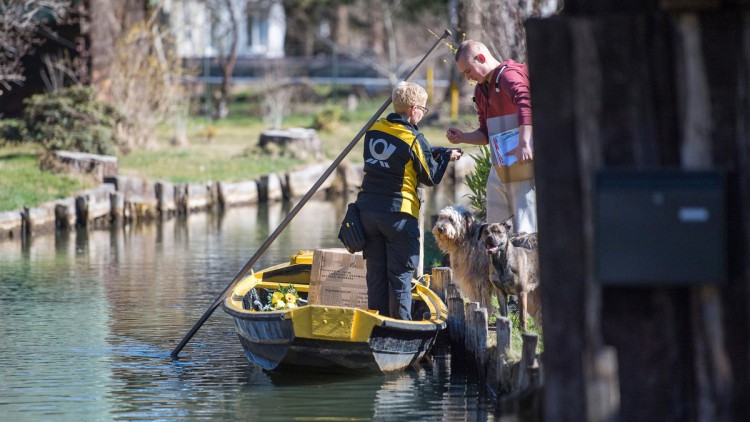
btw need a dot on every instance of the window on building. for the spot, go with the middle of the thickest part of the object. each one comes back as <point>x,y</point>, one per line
<point>257,28</point>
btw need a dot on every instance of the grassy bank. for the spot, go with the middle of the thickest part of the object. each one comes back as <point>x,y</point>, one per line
<point>229,154</point>
<point>22,183</point>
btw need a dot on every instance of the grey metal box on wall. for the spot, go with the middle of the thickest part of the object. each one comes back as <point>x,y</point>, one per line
<point>660,227</point>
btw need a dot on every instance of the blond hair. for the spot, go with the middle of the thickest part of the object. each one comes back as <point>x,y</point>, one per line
<point>406,95</point>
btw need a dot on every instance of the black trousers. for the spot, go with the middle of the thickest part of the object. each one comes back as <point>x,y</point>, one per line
<point>391,256</point>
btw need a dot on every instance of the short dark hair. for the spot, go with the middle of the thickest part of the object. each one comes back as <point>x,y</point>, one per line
<point>459,51</point>
<point>463,49</point>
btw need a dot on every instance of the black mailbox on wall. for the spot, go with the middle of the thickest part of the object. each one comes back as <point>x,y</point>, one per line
<point>663,227</point>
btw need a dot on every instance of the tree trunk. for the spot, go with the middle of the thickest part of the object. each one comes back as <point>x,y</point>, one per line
<point>469,20</point>
<point>377,30</point>
<point>227,63</point>
<point>108,20</point>
<point>102,32</point>
<point>341,28</point>
<point>390,35</point>
<point>300,29</point>
<point>468,26</point>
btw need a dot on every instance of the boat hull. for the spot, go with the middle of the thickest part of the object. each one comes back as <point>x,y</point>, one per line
<point>273,346</point>
<point>330,338</point>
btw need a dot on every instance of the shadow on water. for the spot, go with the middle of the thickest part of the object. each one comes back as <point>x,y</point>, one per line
<point>89,318</point>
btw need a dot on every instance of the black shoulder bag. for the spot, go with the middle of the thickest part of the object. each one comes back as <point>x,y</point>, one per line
<point>351,233</point>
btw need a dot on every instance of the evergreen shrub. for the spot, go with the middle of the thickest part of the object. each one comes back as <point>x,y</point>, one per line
<point>72,119</point>
<point>10,131</point>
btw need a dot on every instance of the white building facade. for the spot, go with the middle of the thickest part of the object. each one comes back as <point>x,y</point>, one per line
<point>261,27</point>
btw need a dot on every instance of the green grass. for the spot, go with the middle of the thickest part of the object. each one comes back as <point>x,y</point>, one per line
<point>230,154</point>
<point>516,341</point>
<point>227,156</point>
<point>23,184</point>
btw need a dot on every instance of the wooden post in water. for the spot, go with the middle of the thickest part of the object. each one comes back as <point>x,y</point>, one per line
<point>165,199</point>
<point>64,218</point>
<point>470,327</point>
<point>455,314</point>
<point>441,278</point>
<point>503,331</point>
<point>82,211</point>
<point>117,205</point>
<point>27,223</point>
<point>528,364</point>
<point>481,336</point>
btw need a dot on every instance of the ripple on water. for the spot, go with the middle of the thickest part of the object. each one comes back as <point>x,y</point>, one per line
<point>88,322</point>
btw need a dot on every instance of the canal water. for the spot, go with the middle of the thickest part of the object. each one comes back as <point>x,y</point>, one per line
<point>88,320</point>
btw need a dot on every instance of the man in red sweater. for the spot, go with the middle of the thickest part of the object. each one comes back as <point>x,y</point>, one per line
<point>503,103</point>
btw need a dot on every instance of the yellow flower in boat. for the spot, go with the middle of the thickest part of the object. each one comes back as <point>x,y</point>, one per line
<point>282,298</point>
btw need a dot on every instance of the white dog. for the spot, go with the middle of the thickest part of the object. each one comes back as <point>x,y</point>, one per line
<point>457,233</point>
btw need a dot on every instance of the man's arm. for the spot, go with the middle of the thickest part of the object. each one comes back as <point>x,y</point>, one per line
<point>456,136</point>
<point>525,149</point>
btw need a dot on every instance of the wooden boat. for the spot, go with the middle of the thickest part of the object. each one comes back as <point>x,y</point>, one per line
<point>331,338</point>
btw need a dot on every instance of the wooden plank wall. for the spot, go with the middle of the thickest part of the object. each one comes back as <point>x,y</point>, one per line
<point>641,85</point>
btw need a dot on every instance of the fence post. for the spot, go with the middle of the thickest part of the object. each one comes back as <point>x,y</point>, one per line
<point>441,278</point>
<point>528,363</point>
<point>502,376</point>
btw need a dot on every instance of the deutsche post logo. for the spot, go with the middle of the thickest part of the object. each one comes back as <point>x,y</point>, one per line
<point>386,150</point>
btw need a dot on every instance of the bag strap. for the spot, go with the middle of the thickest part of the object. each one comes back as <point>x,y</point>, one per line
<point>497,79</point>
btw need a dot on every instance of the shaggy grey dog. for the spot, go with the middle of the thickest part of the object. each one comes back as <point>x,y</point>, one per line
<point>456,233</point>
<point>514,270</point>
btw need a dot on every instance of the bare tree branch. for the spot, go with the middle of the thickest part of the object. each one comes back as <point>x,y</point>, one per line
<point>20,26</point>
<point>146,80</point>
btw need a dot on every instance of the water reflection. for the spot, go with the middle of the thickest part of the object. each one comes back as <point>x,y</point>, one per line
<point>88,319</point>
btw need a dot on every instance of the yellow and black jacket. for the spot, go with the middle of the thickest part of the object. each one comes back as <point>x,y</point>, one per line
<point>397,158</point>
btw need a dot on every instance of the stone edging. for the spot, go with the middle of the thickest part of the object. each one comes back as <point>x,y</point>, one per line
<point>123,199</point>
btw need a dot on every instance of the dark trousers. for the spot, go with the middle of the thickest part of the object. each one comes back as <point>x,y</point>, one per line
<point>391,256</point>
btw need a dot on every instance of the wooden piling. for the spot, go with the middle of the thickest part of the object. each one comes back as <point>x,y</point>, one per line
<point>165,199</point>
<point>298,182</point>
<point>470,327</point>
<point>124,199</point>
<point>65,214</point>
<point>502,367</point>
<point>441,276</point>
<point>192,197</point>
<point>455,305</point>
<point>529,365</point>
<point>117,207</point>
<point>26,223</point>
<point>240,193</point>
<point>93,206</point>
<point>270,188</point>
<point>37,219</point>
<point>10,225</point>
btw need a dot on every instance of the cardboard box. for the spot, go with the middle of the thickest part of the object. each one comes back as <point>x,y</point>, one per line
<point>338,279</point>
